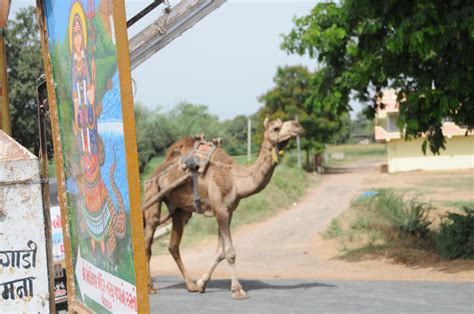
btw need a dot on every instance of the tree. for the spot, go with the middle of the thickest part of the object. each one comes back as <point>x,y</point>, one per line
<point>235,132</point>
<point>291,96</point>
<point>191,120</point>
<point>155,133</point>
<point>362,127</point>
<point>157,130</point>
<point>24,66</point>
<point>423,49</point>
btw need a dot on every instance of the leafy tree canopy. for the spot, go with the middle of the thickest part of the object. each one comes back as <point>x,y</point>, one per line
<point>292,96</point>
<point>423,49</point>
<point>24,66</point>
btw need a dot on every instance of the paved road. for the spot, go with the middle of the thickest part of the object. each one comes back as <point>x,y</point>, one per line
<point>302,296</point>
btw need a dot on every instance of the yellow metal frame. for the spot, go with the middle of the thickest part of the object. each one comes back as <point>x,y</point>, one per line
<point>123,62</point>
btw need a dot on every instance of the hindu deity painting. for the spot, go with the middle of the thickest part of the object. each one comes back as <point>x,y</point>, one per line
<point>99,218</point>
<point>87,85</point>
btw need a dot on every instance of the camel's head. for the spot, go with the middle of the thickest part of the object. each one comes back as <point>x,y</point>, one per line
<point>278,133</point>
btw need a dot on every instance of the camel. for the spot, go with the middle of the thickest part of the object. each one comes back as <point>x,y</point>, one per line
<point>221,187</point>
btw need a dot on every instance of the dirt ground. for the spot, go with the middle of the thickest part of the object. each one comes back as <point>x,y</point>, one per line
<point>289,245</point>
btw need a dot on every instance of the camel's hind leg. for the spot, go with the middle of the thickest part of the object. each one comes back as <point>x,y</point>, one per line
<point>223,219</point>
<point>180,218</point>
<point>201,283</point>
<point>151,221</point>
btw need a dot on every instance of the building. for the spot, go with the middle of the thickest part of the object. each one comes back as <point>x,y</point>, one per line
<point>408,156</point>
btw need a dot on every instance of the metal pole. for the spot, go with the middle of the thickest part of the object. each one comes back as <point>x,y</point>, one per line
<point>249,139</point>
<point>4,109</point>
<point>144,12</point>
<point>298,146</point>
<point>42,110</point>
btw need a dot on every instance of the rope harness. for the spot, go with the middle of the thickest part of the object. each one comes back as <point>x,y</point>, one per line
<point>197,163</point>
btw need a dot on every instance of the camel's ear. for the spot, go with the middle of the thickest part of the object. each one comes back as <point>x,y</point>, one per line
<point>265,123</point>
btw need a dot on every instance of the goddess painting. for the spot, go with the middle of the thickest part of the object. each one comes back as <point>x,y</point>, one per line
<point>97,213</point>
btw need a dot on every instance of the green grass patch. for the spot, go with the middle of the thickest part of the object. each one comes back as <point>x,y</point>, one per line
<point>392,224</point>
<point>353,152</point>
<point>333,231</point>
<point>151,166</point>
<point>462,183</point>
<point>242,159</point>
<point>460,205</point>
<point>387,219</point>
<point>358,149</point>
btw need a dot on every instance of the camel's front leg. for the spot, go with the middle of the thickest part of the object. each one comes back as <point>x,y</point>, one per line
<point>201,283</point>
<point>180,218</point>
<point>224,219</point>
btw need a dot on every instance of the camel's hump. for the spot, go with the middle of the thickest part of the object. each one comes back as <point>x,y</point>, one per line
<point>185,146</point>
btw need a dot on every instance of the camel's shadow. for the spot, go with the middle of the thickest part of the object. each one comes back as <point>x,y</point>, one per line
<point>249,285</point>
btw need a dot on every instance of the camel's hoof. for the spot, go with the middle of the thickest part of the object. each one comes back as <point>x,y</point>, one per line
<point>192,287</point>
<point>152,290</point>
<point>239,294</point>
<point>201,286</point>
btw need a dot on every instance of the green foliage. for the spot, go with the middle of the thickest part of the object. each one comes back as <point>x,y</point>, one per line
<point>456,236</point>
<point>236,134</point>
<point>461,205</point>
<point>334,230</point>
<point>403,222</point>
<point>192,120</point>
<point>386,220</point>
<point>358,149</point>
<point>352,153</point>
<point>291,97</point>
<point>155,132</point>
<point>423,49</point>
<point>24,66</point>
<point>362,127</point>
<point>408,216</point>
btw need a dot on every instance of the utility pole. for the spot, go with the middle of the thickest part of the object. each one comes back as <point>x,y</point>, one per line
<point>249,139</point>
<point>298,146</point>
<point>4,109</point>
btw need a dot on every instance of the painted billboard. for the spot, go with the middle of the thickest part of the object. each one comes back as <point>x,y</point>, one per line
<point>97,162</point>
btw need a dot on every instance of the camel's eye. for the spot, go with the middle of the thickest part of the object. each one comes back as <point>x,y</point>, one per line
<point>277,128</point>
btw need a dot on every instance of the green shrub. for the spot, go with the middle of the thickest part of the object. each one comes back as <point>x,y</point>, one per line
<point>456,236</point>
<point>334,230</point>
<point>408,216</point>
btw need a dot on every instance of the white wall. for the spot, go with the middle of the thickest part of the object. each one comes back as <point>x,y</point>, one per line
<point>21,221</point>
<point>408,156</point>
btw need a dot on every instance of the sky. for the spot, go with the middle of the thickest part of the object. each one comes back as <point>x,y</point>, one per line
<point>225,61</point>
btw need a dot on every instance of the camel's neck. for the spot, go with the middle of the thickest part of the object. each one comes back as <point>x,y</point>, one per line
<point>254,178</point>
